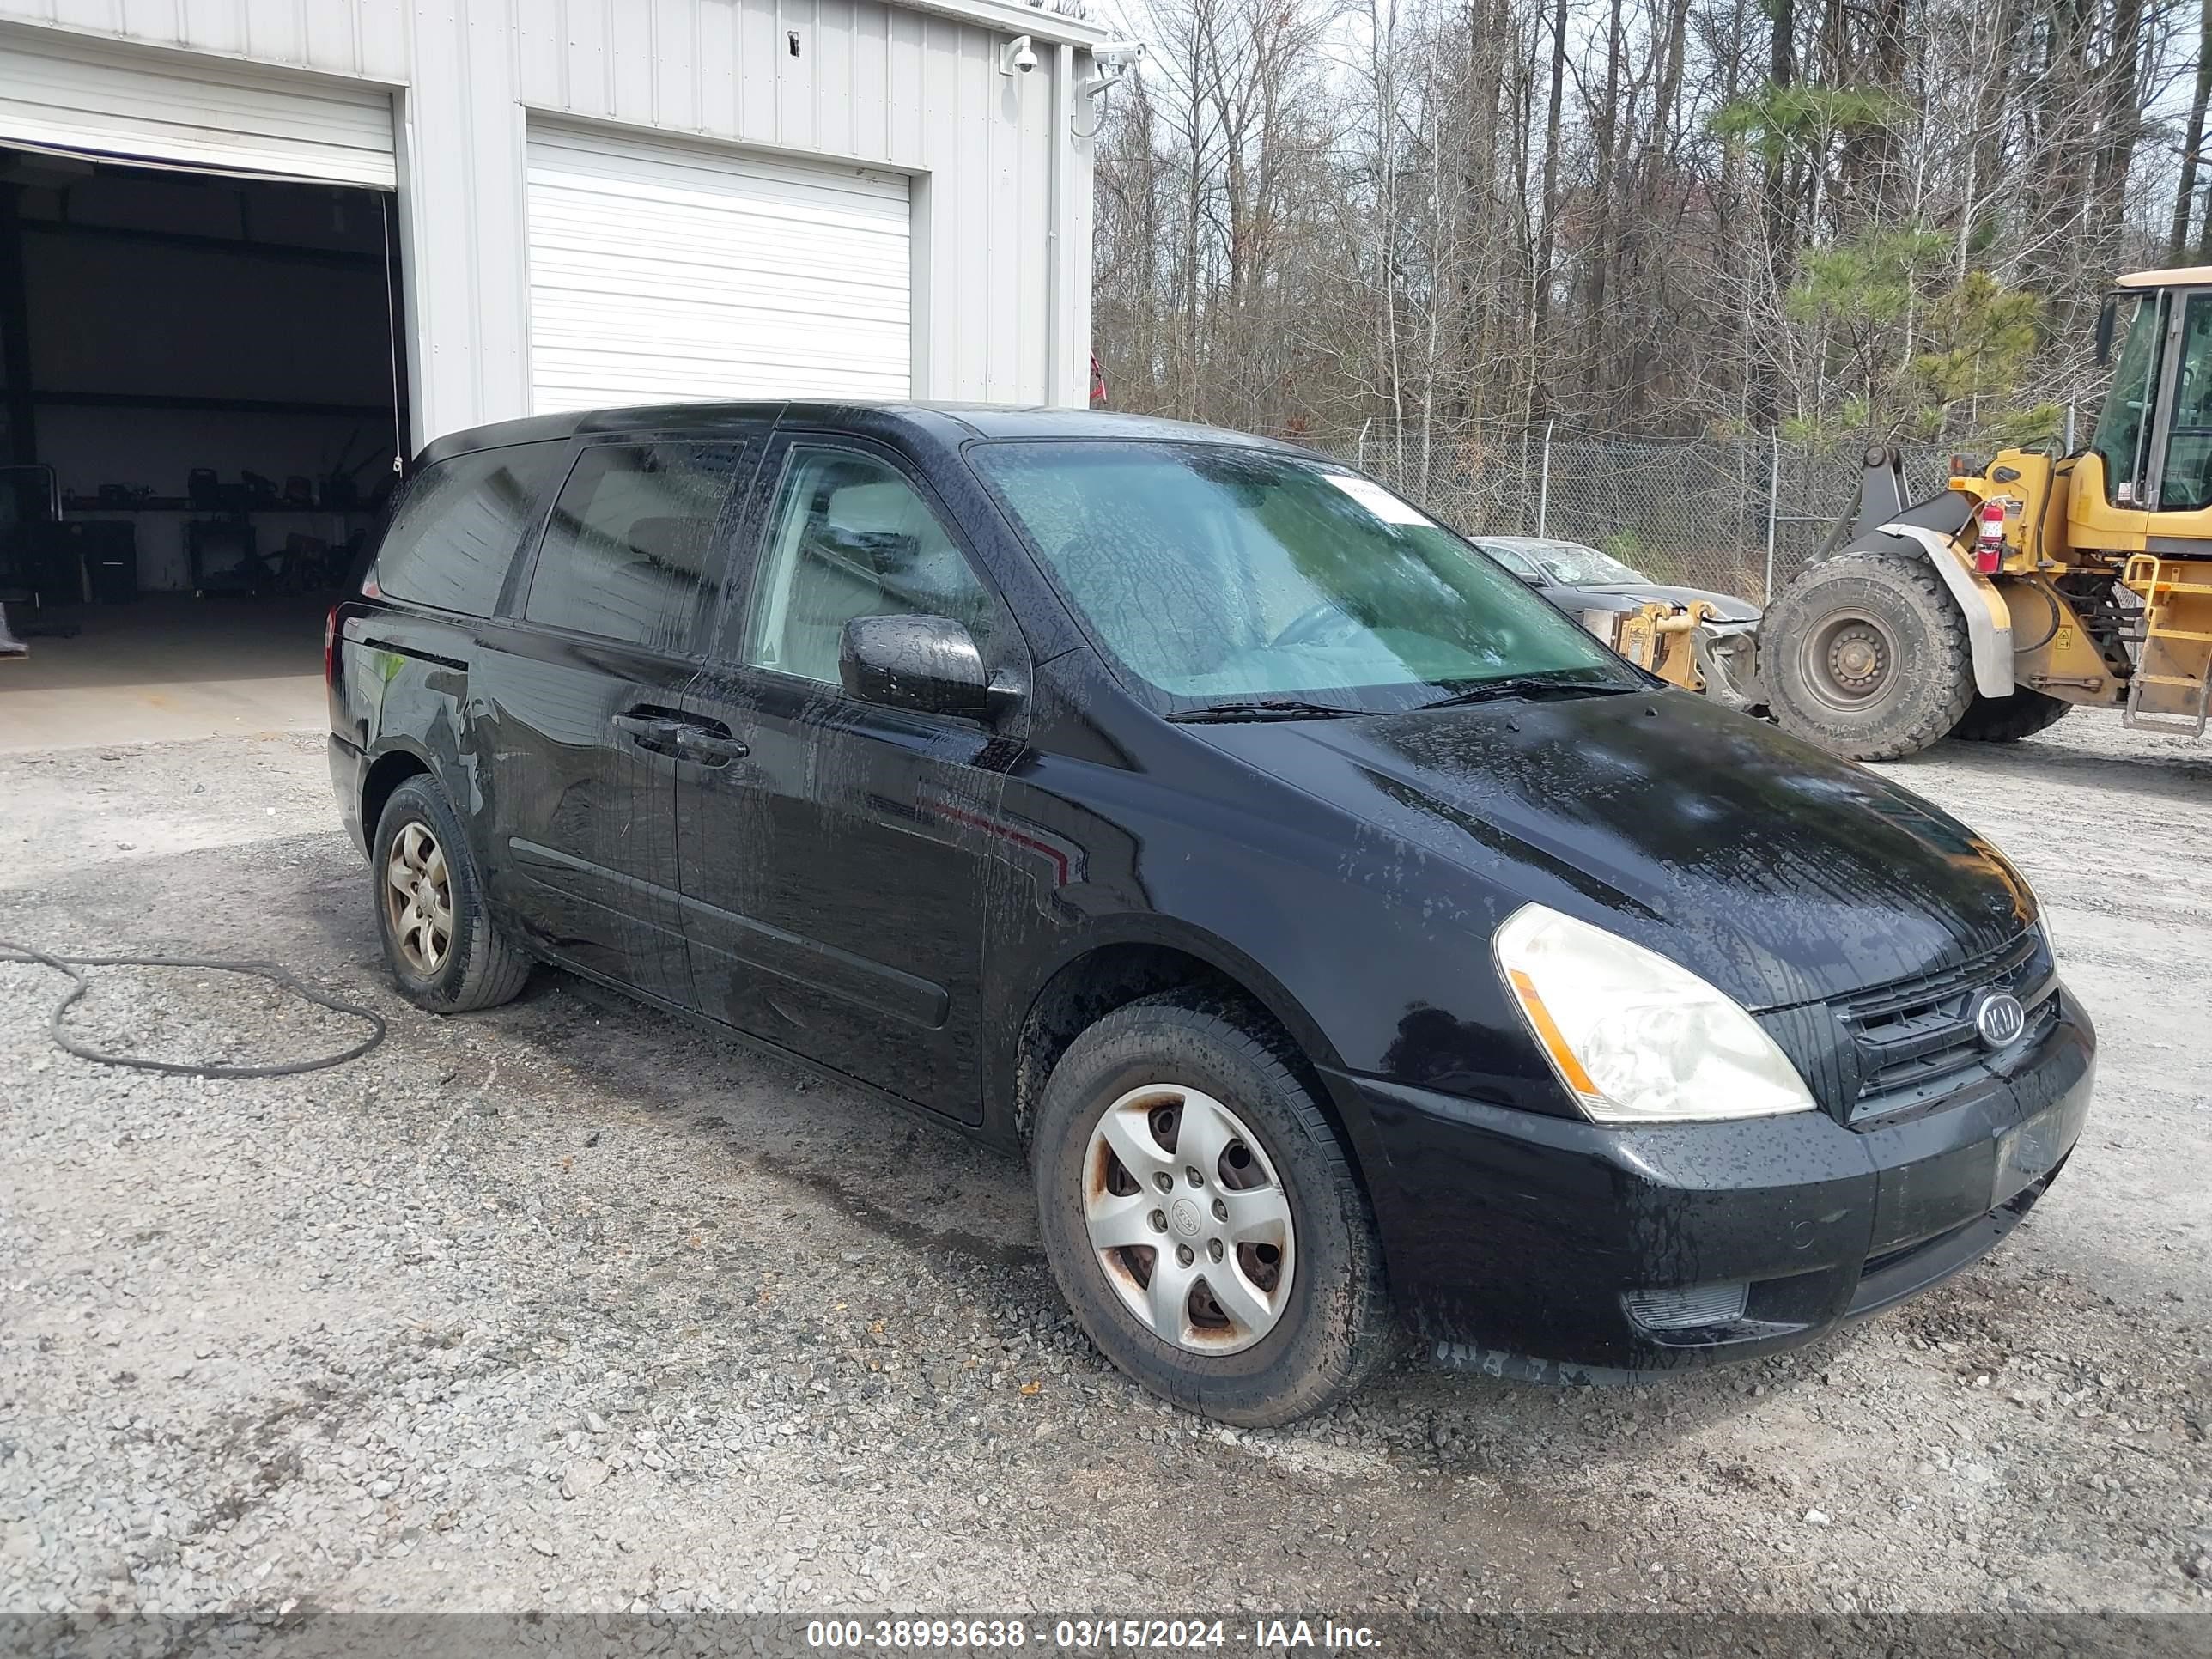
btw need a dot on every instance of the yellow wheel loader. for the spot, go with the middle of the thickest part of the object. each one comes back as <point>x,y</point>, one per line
<point>2041,582</point>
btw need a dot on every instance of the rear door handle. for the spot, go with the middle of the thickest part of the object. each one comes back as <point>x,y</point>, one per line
<point>649,731</point>
<point>708,747</point>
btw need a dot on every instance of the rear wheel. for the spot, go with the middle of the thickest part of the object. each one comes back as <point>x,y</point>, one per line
<point>2007,720</point>
<point>1866,655</point>
<point>445,951</point>
<point>1202,1219</point>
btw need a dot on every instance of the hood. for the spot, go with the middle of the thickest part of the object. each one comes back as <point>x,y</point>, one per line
<point>1725,608</point>
<point>1777,872</point>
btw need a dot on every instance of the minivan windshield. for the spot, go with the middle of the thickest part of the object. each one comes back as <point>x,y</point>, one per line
<point>1216,574</point>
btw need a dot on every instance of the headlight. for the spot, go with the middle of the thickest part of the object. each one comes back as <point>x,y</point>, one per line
<point>1635,1038</point>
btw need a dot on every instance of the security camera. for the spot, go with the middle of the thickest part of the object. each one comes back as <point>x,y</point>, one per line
<point>1116,60</point>
<point>1019,54</point>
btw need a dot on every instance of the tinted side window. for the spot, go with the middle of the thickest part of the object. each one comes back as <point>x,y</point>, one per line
<point>455,532</point>
<point>627,552</point>
<point>850,537</point>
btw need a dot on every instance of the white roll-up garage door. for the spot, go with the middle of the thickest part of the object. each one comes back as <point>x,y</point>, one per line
<point>671,272</point>
<point>190,110</point>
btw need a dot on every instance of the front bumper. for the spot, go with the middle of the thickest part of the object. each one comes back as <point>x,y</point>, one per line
<point>1513,1239</point>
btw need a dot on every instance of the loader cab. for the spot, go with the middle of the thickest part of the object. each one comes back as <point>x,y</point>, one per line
<point>2152,516</point>
<point>2033,584</point>
<point>2153,436</point>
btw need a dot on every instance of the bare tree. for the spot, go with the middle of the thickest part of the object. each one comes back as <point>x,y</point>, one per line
<point>1659,216</point>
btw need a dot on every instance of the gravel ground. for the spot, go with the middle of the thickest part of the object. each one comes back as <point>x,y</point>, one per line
<point>567,1307</point>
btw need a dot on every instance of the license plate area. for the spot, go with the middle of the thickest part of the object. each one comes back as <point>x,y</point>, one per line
<point>2031,1150</point>
<point>1939,1174</point>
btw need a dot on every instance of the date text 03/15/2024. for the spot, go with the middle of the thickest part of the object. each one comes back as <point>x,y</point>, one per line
<point>1087,1635</point>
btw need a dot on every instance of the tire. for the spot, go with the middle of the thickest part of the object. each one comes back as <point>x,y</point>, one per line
<point>1331,1322</point>
<point>1888,614</point>
<point>2007,720</point>
<point>477,968</point>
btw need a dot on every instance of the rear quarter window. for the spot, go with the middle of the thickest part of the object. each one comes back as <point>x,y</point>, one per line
<point>456,530</point>
<point>630,549</point>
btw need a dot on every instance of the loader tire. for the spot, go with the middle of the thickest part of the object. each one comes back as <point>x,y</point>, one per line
<point>2007,720</point>
<point>1866,655</point>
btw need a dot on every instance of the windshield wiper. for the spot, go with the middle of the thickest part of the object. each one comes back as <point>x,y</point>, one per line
<point>1262,708</point>
<point>1528,686</point>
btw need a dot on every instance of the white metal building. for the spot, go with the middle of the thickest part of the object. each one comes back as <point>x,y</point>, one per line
<point>241,239</point>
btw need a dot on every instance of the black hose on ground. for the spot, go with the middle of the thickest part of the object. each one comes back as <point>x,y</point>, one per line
<point>70,966</point>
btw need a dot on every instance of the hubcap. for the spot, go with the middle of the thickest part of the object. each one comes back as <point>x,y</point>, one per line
<point>1188,1219</point>
<point>1849,660</point>
<point>418,899</point>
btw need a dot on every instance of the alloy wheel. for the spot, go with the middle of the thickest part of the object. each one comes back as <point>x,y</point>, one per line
<point>1188,1219</point>
<point>418,898</point>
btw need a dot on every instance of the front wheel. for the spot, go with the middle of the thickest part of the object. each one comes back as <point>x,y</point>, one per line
<point>1866,655</point>
<point>1202,1218</point>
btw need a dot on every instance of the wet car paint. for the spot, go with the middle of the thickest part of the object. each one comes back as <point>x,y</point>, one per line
<point>893,895</point>
<point>1773,872</point>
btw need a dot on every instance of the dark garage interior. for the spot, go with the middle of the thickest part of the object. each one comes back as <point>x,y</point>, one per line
<point>203,398</point>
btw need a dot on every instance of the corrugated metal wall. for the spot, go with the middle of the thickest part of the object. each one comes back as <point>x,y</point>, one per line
<point>880,85</point>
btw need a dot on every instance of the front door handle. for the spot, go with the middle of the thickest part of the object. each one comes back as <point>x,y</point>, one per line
<point>707,748</point>
<point>649,731</point>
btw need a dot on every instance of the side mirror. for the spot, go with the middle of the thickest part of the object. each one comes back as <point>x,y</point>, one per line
<point>927,664</point>
<point>2105,330</point>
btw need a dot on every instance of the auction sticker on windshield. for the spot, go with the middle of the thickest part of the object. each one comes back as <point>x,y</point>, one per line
<point>1377,500</point>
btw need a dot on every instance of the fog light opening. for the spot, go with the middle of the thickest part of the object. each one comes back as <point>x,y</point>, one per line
<point>1688,1307</point>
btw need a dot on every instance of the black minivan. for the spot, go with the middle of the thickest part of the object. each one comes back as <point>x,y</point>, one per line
<point>1350,939</point>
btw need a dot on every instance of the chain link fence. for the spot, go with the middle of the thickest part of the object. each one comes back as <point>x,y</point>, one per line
<point>1740,515</point>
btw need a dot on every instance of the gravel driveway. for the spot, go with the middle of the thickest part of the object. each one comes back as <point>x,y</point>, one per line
<point>565,1306</point>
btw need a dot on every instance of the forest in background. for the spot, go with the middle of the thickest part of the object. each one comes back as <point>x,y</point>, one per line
<point>1820,219</point>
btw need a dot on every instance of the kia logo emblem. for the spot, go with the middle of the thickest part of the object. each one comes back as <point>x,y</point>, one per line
<point>1999,1019</point>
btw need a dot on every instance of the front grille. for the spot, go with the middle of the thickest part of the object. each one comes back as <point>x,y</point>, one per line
<point>1912,1036</point>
